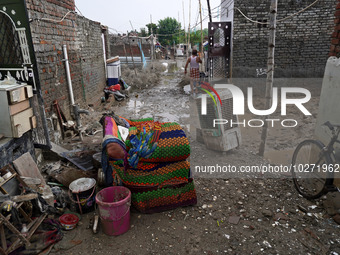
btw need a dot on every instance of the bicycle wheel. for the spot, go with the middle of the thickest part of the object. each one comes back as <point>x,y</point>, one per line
<point>310,169</point>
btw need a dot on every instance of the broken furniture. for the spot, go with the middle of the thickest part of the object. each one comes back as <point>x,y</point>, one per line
<point>9,176</point>
<point>26,167</point>
<point>15,112</point>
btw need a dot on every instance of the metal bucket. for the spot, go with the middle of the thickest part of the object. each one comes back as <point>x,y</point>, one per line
<point>83,194</point>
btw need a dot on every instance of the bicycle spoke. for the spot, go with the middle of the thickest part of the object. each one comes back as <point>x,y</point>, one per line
<point>309,161</point>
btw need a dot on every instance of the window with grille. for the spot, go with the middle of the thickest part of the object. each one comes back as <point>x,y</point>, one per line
<point>10,51</point>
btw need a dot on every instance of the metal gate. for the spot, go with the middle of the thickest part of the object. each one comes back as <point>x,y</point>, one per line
<point>219,49</point>
<point>17,59</point>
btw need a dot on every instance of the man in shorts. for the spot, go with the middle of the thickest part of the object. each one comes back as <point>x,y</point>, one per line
<point>194,61</point>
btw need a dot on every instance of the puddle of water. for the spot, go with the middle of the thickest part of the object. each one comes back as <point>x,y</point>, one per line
<point>162,102</point>
<point>135,103</point>
<point>185,115</point>
<point>173,67</point>
<point>185,105</point>
<point>167,117</point>
<point>281,157</point>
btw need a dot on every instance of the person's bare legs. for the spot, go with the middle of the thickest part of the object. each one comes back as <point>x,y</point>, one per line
<point>195,85</point>
<point>192,87</point>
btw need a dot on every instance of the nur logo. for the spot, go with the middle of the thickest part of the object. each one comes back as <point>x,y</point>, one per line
<point>239,99</point>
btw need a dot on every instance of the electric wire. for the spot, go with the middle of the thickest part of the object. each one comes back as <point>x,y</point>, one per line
<point>79,11</point>
<point>279,20</point>
<point>57,21</point>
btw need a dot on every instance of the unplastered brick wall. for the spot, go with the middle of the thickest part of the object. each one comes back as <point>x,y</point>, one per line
<point>335,42</point>
<point>117,46</point>
<point>85,51</point>
<point>302,41</point>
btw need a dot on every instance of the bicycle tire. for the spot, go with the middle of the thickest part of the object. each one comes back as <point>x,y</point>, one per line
<point>315,182</point>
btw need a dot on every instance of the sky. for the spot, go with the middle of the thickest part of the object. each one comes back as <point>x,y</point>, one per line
<point>118,14</point>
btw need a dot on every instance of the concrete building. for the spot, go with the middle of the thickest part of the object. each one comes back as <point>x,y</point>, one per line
<point>302,41</point>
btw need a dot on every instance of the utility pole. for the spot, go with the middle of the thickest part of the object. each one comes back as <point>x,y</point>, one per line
<point>133,61</point>
<point>179,29</point>
<point>184,26</point>
<point>151,23</point>
<point>189,28</point>
<point>152,40</point>
<point>132,26</point>
<point>270,71</point>
<point>202,51</point>
<point>210,19</point>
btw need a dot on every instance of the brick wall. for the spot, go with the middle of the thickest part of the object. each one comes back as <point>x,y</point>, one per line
<point>85,52</point>
<point>117,46</point>
<point>335,42</point>
<point>302,42</point>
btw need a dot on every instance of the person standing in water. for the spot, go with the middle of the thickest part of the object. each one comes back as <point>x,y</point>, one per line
<point>194,61</point>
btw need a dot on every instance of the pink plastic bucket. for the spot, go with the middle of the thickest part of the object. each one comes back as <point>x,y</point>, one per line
<point>114,209</point>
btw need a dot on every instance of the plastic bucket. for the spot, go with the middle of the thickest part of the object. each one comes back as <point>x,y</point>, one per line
<point>83,194</point>
<point>114,209</point>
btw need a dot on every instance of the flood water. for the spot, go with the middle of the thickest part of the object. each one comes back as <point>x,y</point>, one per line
<point>165,102</point>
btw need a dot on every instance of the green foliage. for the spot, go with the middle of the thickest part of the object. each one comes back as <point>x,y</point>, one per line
<point>142,32</point>
<point>151,27</point>
<point>168,29</point>
<point>195,36</point>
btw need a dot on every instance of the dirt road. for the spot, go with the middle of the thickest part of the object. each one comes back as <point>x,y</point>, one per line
<point>233,216</point>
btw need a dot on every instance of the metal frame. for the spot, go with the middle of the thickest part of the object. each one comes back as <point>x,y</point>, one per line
<point>219,53</point>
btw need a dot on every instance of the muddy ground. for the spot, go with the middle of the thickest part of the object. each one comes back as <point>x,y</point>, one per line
<point>233,215</point>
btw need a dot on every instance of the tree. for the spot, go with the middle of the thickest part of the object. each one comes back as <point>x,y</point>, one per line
<point>151,27</point>
<point>195,37</point>
<point>168,29</point>
<point>142,32</point>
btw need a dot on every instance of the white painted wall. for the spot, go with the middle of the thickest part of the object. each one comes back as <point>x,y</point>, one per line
<point>329,105</point>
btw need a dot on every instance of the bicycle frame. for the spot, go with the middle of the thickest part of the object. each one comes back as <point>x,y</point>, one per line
<point>329,149</point>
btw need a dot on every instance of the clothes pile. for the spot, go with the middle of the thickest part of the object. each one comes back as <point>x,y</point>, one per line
<point>117,90</point>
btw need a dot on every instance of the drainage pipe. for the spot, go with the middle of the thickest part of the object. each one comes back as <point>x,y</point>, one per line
<point>68,74</point>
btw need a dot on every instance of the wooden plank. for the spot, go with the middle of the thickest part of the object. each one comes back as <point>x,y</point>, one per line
<point>31,181</point>
<point>32,223</point>
<point>22,198</point>
<point>26,167</point>
<point>3,237</point>
<point>112,60</point>
<point>8,217</point>
<point>10,178</point>
<point>19,107</point>
<point>21,122</point>
<point>32,228</point>
<point>25,215</point>
<point>33,121</point>
<point>2,251</point>
<point>28,91</point>
<point>14,230</point>
<point>36,225</point>
<point>17,95</point>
